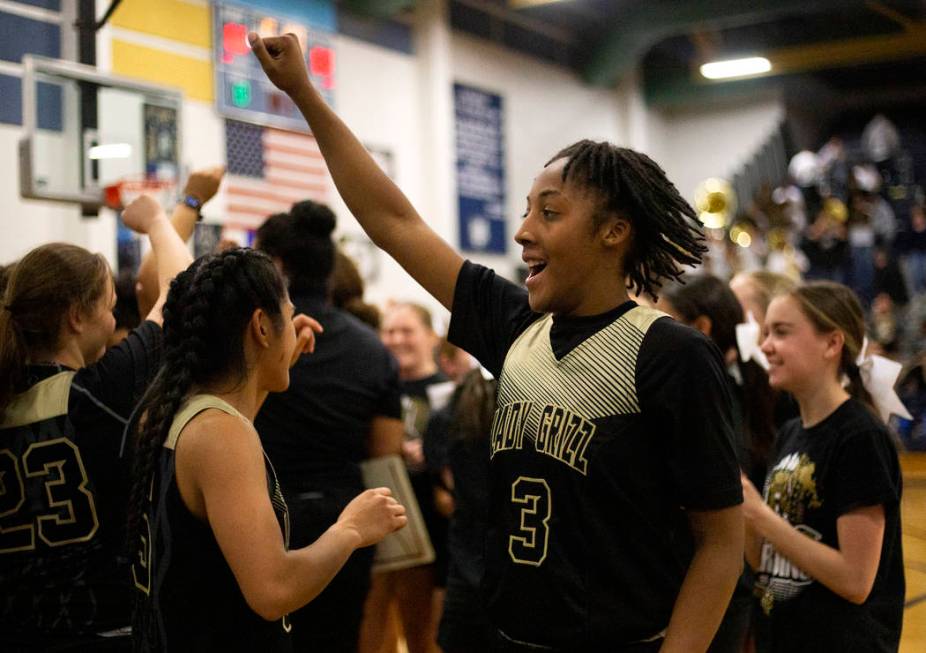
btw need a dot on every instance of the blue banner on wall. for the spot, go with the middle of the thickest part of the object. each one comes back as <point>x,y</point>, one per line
<point>480,170</point>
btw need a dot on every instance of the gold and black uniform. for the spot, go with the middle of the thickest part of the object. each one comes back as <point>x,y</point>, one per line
<point>607,429</point>
<point>64,485</point>
<point>190,598</point>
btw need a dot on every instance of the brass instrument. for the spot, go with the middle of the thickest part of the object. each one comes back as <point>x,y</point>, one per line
<point>715,202</point>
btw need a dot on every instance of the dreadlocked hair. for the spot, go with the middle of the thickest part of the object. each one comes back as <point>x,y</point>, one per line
<point>205,314</point>
<point>666,233</point>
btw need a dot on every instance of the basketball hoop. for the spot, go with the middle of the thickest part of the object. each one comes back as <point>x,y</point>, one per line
<point>120,194</point>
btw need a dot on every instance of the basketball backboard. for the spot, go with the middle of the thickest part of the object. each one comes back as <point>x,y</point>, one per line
<point>85,130</point>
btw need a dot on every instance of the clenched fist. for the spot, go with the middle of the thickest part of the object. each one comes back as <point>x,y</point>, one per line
<point>373,515</point>
<point>143,212</point>
<point>283,61</point>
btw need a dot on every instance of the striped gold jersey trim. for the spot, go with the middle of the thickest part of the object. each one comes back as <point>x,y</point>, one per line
<point>193,407</point>
<point>594,380</point>
<point>46,399</point>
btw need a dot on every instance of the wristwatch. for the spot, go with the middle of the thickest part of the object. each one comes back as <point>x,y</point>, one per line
<point>194,203</point>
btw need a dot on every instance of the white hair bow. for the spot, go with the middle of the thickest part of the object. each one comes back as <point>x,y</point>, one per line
<point>879,374</point>
<point>747,341</point>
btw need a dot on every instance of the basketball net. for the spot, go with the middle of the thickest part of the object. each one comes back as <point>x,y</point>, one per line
<point>120,194</point>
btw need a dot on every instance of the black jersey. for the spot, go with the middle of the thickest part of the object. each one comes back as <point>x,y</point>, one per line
<point>845,462</point>
<point>607,429</point>
<point>63,490</point>
<point>317,432</point>
<point>190,599</point>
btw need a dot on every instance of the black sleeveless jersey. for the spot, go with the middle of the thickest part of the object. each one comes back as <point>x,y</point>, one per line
<point>607,429</point>
<point>64,482</point>
<point>190,600</point>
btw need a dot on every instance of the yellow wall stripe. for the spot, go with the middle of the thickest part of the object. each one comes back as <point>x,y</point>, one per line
<point>192,76</point>
<point>170,19</point>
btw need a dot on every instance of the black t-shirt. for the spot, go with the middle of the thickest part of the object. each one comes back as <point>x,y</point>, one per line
<point>468,461</point>
<point>419,398</point>
<point>66,480</point>
<point>607,428</point>
<point>317,432</point>
<point>845,462</point>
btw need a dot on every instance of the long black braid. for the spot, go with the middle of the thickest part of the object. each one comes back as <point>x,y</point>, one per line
<point>205,316</point>
<point>666,231</point>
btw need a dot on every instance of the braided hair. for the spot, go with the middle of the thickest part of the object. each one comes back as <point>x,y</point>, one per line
<point>666,231</point>
<point>206,314</point>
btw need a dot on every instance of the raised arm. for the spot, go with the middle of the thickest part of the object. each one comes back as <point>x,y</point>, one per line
<point>223,481</point>
<point>382,210</point>
<point>144,215</point>
<point>202,185</point>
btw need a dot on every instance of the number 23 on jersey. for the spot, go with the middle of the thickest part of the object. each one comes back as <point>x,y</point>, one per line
<point>45,493</point>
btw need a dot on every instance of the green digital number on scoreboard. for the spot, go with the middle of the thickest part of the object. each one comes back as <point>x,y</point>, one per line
<point>243,91</point>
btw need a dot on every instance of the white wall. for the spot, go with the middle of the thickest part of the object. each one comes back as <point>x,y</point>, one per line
<point>715,140</point>
<point>545,109</point>
<point>394,102</point>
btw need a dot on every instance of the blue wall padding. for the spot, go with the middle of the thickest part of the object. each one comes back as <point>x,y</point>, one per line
<point>11,109</point>
<point>54,5</point>
<point>26,36</point>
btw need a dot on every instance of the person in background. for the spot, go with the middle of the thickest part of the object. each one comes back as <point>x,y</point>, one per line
<point>342,407</point>
<point>453,361</point>
<point>465,424</point>
<point>5,272</point>
<point>415,594</point>
<point>755,290</point>
<point>200,187</point>
<point>347,291</point>
<point>824,536</point>
<point>65,401</point>
<point>707,304</point>
<point>913,247</point>
<point>126,309</point>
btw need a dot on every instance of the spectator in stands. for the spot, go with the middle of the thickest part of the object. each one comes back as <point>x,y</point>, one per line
<point>913,245</point>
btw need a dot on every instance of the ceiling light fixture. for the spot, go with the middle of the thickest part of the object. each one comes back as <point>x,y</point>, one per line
<point>110,151</point>
<point>736,68</point>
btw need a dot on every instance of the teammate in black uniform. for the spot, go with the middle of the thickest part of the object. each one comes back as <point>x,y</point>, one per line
<point>615,519</point>
<point>826,540</point>
<point>212,564</point>
<point>63,408</point>
<point>342,407</point>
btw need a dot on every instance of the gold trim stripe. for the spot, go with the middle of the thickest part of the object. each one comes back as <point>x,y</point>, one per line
<point>594,380</point>
<point>46,399</point>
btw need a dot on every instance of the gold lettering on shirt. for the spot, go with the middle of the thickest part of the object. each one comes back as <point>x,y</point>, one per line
<point>564,435</point>
<point>508,426</point>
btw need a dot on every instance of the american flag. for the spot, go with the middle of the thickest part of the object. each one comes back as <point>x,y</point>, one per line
<point>268,170</point>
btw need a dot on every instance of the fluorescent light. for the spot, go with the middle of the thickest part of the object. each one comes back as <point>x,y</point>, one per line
<point>736,68</point>
<point>110,151</point>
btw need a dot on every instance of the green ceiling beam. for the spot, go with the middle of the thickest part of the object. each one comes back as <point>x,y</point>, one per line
<point>378,8</point>
<point>650,22</point>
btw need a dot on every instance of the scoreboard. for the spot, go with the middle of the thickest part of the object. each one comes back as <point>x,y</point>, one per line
<point>242,90</point>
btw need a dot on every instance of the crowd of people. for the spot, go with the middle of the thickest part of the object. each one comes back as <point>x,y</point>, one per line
<point>855,213</point>
<point>594,456</point>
